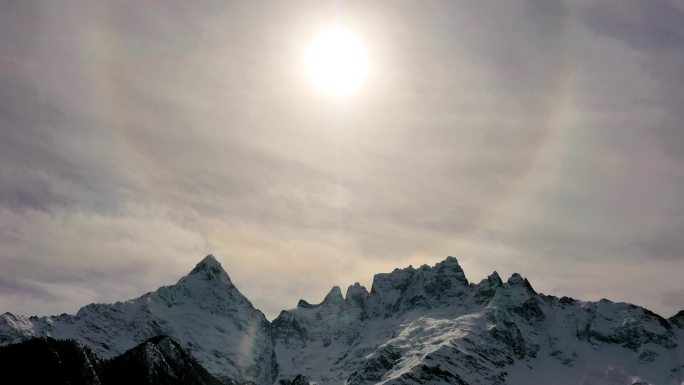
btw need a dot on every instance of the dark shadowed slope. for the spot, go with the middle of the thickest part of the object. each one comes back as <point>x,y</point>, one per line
<point>157,361</point>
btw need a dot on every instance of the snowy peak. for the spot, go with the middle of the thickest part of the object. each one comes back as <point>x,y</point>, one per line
<point>209,269</point>
<point>516,295</point>
<point>485,290</point>
<point>356,294</point>
<point>451,267</point>
<point>14,328</point>
<point>203,311</point>
<point>517,280</point>
<point>493,279</point>
<point>207,285</point>
<point>334,297</point>
<point>425,287</point>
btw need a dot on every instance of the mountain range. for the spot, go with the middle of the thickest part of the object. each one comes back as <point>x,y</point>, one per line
<point>425,325</point>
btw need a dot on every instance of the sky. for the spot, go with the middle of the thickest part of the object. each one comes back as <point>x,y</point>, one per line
<point>544,137</point>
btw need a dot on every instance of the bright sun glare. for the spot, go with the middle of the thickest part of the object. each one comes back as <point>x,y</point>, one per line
<point>337,62</point>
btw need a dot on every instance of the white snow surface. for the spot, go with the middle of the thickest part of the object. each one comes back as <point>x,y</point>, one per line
<point>415,326</point>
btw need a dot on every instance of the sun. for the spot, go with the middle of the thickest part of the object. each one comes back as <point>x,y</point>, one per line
<point>336,62</point>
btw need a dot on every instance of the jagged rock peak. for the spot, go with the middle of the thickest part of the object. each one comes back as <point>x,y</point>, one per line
<point>356,291</point>
<point>207,263</point>
<point>492,280</point>
<point>495,278</point>
<point>451,262</point>
<point>357,295</point>
<point>678,319</point>
<point>486,289</point>
<point>304,304</point>
<point>516,279</point>
<point>450,265</point>
<point>210,269</point>
<point>334,296</point>
<point>398,279</point>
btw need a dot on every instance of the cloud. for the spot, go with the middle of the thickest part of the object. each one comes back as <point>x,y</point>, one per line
<point>652,27</point>
<point>667,244</point>
<point>655,30</point>
<point>82,256</point>
<point>27,289</point>
<point>520,136</point>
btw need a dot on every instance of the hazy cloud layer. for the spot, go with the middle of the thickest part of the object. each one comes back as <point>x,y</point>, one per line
<point>544,137</point>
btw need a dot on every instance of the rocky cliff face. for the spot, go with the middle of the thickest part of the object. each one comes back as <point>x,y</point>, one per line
<point>425,325</point>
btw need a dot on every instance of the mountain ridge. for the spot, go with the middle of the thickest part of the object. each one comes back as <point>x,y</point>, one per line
<point>416,325</point>
<point>203,310</point>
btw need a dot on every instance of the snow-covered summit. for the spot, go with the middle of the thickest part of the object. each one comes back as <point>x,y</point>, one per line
<point>356,294</point>
<point>203,311</point>
<point>334,297</point>
<point>209,269</point>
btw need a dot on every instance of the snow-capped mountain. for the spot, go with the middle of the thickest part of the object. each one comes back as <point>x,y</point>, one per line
<point>425,325</point>
<point>204,312</point>
<point>430,326</point>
